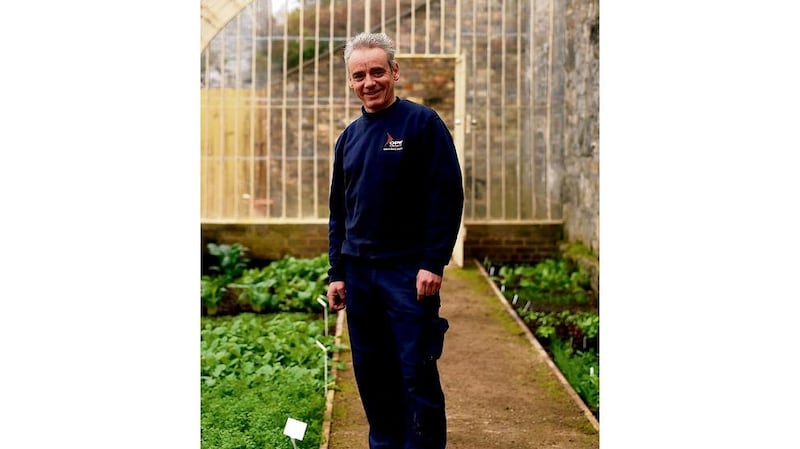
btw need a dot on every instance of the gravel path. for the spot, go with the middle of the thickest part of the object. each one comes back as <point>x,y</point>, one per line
<point>499,389</point>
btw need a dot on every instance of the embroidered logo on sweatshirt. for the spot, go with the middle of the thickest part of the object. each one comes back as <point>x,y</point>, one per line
<point>391,144</point>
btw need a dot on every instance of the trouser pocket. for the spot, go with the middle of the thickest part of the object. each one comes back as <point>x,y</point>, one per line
<point>435,337</point>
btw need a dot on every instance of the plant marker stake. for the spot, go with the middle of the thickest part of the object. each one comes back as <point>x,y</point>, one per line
<point>591,371</point>
<point>295,429</point>
<point>503,288</point>
<point>325,363</point>
<point>514,301</point>
<point>321,300</point>
<point>528,304</point>
<point>491,271</point>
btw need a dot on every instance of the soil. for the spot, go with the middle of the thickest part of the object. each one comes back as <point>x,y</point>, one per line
<point>499,390</point>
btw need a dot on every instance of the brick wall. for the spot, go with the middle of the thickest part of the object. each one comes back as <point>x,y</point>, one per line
<point>269,241</point>
<point>499,242</point>
<point>528,243</point>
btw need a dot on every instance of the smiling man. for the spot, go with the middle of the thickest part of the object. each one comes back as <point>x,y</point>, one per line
<point>372,76</point>
<point>395,208</point>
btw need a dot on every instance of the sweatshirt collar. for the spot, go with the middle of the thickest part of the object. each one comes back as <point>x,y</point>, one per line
<point>382,112</point>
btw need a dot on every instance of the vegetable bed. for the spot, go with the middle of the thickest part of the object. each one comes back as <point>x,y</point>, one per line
<point>554,299</point>
<point>256,371</point>
<point>263,331</point>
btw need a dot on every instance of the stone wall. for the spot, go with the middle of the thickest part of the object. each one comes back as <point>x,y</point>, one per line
<point>581,164</point>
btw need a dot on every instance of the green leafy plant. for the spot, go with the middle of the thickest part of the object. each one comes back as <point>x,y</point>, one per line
<point>581,369</point>
<point>234,345</point>
<point>550,282</point>
<point>232,259</point>
<point>288,284</point>
<point>231,262</point>
<point>588,323</point>
<point>567,325</point>
<point>543,324</point>
<point>212,291</point>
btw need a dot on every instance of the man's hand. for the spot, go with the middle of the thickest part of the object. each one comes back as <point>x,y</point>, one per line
<point>336,298</point>
<point>427,284</point>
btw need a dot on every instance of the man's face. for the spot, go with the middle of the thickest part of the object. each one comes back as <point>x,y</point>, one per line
<point>371,78</point>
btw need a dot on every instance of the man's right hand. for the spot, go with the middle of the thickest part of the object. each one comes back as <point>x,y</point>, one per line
<point>336,296</point>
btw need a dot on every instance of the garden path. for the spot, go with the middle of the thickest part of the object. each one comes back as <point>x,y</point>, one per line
<point>499,389</point>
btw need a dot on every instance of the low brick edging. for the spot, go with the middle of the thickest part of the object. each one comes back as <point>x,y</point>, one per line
<point>538,347</point>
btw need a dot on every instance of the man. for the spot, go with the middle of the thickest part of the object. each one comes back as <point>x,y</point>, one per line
<point>395,209</point>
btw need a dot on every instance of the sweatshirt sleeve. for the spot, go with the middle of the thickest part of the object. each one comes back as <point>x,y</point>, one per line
<point>336,222</point>
<point>446,197</point>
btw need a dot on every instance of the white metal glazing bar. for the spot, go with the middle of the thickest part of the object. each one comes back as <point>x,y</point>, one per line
<point>284,125</point>
<point>236,145</point>
<point>488,117</point>
<point>299,183</point>
<point>518,99</point>
<point>503,161</point>
<point>252,165</point>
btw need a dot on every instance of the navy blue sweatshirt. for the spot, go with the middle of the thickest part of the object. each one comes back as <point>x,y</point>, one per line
<point>396,191</point>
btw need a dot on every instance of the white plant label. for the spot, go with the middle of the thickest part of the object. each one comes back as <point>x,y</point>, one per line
<point>322,301</point>
<point>295,429</point>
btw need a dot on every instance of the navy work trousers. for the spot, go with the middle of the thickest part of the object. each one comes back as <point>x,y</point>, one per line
<point>395,341</point>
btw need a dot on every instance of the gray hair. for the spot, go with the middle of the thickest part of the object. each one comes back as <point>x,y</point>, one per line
<point>370,40</point>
